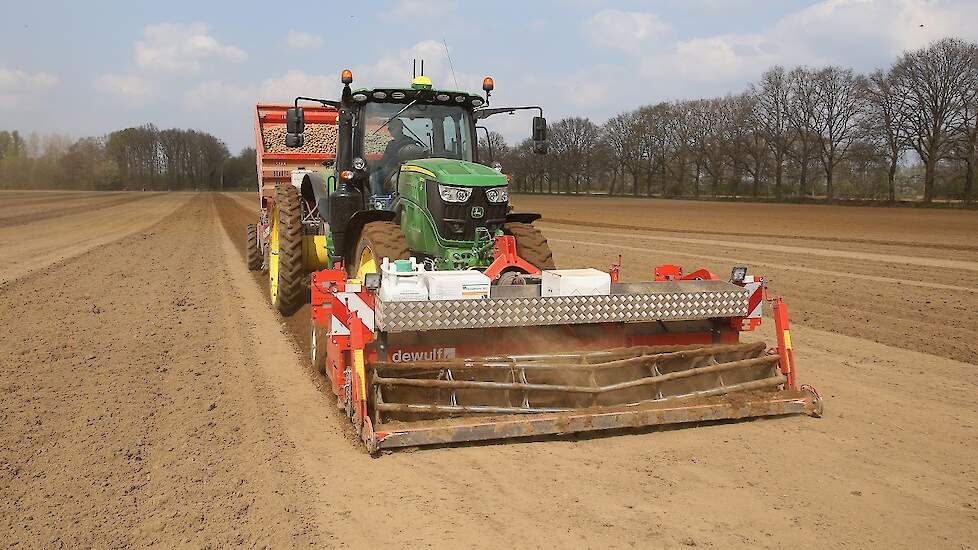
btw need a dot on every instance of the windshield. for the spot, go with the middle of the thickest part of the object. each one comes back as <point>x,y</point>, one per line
<point>420,131</point>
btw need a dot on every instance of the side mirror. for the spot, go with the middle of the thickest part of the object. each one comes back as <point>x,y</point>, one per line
<point>295,120</point>
<point>539,128</point>
<point>294,140</point>
<point>295,125</point>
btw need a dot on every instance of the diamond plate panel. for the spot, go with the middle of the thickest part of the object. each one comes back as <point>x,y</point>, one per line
<point>672,303</point>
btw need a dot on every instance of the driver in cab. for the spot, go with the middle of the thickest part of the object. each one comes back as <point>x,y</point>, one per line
<point>390,161</point>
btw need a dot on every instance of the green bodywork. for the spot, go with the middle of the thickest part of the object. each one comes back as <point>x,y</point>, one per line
<point>417,223</point>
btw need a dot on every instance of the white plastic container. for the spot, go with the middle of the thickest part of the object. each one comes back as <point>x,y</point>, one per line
<point>402,281</point>
<point>575,282</point>
<point>457,285</point>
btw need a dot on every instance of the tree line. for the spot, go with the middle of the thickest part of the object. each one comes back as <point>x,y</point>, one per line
<point>906,132</point>
<point>142,158</point>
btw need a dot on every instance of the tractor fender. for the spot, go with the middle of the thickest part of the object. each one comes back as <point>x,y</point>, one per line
<point>355,226</point>
<point>313,188</point>
<point>523,217</point>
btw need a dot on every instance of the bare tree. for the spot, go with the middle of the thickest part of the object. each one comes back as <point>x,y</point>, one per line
<point>772,97</point>
<point>934,85</point>
<point>802,99</point>
<point>836,117</point>
<point>965,146</point>
<point>884,123</point>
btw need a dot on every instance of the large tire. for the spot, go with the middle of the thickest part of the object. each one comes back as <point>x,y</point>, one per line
<point>255,258</point>
<point>286,272</point>
<point>378,240</point>
<point>531,245</point>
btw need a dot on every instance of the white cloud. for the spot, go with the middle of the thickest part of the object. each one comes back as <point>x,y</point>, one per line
<point>19,89</point>
<point>216,94</point>
<point>403,10</point>
<point>17,80</point>
<point>863,34</point>
<point>295,83</point>
<point>298,40</point>
<point>131,88</point>
<point>629,31</point>
<point>394,69</point>
<point>176,47</point>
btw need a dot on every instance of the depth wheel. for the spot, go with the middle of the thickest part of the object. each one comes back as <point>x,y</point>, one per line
<point>255,258</point>
<point>285,263</point>
<point>378,240</point>
<point>531,245</point>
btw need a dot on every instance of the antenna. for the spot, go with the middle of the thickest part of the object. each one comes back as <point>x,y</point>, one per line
<point>414,68</point>
<point>422,67</point>
<point>450,64</point>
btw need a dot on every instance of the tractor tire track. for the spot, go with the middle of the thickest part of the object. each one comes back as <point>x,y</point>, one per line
<point>761,234</point>
<point>42,215</point>
<point>135,414</point>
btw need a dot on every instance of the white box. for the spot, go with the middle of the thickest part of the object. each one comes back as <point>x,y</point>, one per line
<point>457,285</point>
<point>575,282</point>
<point>402,286</point>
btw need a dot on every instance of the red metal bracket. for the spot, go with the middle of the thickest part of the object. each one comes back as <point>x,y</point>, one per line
<point>783,328</point>
<point>671,272</point>
<point>614,270</point>
<point>504,252</point>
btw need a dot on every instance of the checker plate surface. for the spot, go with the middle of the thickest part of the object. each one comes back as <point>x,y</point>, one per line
<point>670,302</point>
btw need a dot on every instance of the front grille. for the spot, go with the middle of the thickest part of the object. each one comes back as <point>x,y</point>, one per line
<point>454,219</point>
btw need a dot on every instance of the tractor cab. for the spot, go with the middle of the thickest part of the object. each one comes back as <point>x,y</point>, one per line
<point>397,126</point>
<point>410,157</point>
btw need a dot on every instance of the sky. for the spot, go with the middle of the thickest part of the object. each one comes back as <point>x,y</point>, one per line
<point>88,68</point>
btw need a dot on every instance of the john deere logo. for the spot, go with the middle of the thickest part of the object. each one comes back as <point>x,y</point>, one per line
<point>478,212</point>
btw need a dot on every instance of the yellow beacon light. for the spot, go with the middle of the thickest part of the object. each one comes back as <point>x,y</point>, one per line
<point>421,83</point>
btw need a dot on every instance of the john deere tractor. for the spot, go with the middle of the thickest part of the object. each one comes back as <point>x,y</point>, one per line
<point>407,179</point>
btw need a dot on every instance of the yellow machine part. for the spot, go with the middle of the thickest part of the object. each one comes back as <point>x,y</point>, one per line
<point>315,256</point>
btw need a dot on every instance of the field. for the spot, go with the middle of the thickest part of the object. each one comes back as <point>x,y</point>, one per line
<point>150,396</point>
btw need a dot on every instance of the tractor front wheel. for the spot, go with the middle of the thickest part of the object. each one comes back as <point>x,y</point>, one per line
<point>531,245</point>
<point>378,240</point>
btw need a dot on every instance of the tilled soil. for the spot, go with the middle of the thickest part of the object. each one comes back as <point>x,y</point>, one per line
<point>150,396</point>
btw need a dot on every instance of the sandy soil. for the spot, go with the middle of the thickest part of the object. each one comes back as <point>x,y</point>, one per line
<point>150,396</point>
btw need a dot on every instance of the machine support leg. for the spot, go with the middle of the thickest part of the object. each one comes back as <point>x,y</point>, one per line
<point>783,328</point>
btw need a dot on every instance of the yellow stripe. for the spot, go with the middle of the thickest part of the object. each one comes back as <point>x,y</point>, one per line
<point>418,169</point>
<point>787,339</point>
<point>361,375</point>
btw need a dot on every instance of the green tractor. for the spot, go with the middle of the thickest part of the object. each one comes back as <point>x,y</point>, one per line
<point>407,179</point>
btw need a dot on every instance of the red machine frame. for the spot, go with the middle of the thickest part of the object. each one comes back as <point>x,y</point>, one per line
<point>340,305</point>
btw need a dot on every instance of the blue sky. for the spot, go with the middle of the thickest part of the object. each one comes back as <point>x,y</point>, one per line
<point>85,68</point>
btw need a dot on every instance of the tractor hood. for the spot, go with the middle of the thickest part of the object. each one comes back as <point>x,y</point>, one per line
<point>456,172</point>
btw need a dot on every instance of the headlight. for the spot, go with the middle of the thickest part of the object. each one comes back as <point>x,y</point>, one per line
<point>450,193</point>
<point>497,194</point>
<point>359,163</point>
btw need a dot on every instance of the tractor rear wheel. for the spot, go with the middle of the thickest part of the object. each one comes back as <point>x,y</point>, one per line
<point>254,252</point>
<point>378,240</point>
<point>285,263</point>
<point>531,245</point>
